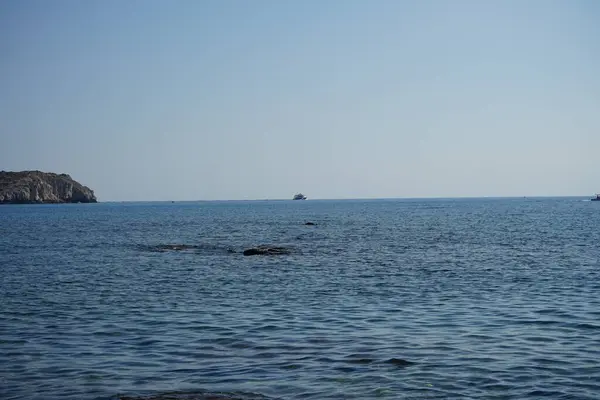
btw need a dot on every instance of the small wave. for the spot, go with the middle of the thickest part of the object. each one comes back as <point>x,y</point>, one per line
<point>197,395</point>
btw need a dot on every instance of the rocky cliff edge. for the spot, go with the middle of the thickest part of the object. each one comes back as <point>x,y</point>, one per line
<point>27,187</point>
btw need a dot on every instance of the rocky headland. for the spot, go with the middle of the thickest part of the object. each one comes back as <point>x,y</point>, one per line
<point>33,187</point>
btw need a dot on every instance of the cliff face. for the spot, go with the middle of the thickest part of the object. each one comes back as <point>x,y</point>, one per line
<point>41,187</point>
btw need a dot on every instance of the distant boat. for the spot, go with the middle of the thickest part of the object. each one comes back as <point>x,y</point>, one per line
<point>299,196</point>
<point>597,198</point>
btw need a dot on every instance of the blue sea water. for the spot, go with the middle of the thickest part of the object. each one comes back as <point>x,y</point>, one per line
<point>398,299</point>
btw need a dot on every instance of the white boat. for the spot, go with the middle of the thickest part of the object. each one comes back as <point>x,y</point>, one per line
<point>597,198</point>
<point>299,196</point>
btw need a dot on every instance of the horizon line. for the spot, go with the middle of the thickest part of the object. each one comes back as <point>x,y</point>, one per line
<point>348,198</point>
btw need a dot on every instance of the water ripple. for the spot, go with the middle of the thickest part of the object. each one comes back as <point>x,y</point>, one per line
<point>434,299</point>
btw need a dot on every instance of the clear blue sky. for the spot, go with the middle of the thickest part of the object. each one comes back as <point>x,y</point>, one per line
<point>185,100</point>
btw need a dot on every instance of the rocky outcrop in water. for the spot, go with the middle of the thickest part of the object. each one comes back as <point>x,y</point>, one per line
<point>28,187</point>
<point>212,249</point>
<point>267,251</point>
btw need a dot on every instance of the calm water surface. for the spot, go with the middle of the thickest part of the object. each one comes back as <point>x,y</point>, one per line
<point>399,299</point>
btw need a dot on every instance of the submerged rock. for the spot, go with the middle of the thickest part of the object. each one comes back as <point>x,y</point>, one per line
<point>400,363</point>
<point>28,187</point>
<point>212,249</point>
<point>267,251</point>
<point>205,249</point>
<point>365,359</point>
<point>173,247</point>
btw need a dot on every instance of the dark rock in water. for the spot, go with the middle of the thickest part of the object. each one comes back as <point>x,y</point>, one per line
<point>196,396</point>
<point>400,363</point>
<point>365,359</point>
<point>30,187</point>
<point>210,249</point>
<point>267,251</point>
<point>310,223</point>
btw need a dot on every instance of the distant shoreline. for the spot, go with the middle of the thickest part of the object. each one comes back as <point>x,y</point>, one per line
<point>348,199</point>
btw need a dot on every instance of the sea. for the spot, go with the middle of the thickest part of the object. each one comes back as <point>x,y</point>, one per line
<point>491,298</point>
